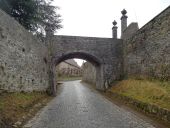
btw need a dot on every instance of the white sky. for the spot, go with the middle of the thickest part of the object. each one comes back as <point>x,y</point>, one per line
<point>94,18</point>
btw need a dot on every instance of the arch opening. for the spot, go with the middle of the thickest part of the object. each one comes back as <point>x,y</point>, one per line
<point>69,70</point>
<point>96,62</point>
<point>79,55</point>
<point>94,65</point>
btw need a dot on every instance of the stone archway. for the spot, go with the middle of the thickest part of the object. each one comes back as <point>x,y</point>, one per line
<point>81,55</point>
<point>104,53</point>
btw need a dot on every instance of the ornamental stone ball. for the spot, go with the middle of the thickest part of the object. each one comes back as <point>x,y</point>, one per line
<point>123,21</point>
<point>114,30</point>
<point>124,12</point>
<point>114,23</point>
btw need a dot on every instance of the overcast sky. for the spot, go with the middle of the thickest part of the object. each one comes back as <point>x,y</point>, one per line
<point>94,18</point>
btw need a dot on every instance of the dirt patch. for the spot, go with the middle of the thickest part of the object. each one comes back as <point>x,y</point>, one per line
<point>17,108</point>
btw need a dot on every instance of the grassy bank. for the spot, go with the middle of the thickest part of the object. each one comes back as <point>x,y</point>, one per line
<point>152,92</point>
<point>19,107</point>
<point>149,96</point>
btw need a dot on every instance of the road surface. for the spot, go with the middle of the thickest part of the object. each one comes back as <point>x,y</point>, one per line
<point>78,106</point>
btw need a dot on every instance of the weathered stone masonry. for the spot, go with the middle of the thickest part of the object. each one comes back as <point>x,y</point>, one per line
<point>22,65</point>
<point>27,64</point>
<point>89,73</point>
<point>147,52</point>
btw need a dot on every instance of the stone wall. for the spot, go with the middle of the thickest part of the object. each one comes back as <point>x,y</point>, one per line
<point>130,31</point>
<point>22,58</point>
<point>68,68</point>
<point>89,73</point>
<point>147,53</point>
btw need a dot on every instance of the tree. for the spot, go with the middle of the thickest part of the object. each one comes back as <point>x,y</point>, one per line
<point>49,18</point>
<point>34,15</point>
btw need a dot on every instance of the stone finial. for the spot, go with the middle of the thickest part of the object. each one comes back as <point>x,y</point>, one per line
<point>114,30</point>
<point>123,12</point>
<point>114,23</point>
<point>123,21</point>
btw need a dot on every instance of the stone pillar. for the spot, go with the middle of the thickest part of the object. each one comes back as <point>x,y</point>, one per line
<point>100,78</point>
<point>104,76</point>
<point>114,30</point>
<point>123,21</point>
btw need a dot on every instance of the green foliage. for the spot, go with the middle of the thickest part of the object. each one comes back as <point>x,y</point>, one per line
<point>34,15</point>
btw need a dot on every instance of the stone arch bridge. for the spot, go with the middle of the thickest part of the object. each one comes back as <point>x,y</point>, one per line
<point>26,64</point>
<point>104,53</point>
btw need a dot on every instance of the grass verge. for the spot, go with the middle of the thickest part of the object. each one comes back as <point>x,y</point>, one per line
<point>152,97</point>
<point>16,108</point>
<point>153,92</point>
